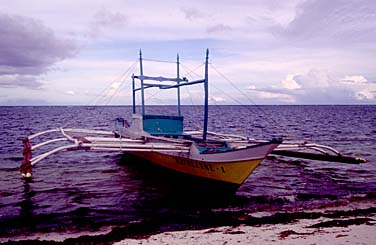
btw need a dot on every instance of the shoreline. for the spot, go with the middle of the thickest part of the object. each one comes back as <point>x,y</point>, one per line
<point>353,223</point>
<point>300,232</point>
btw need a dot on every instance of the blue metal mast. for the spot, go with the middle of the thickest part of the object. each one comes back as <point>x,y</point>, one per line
<point>142,85</point>
<point>206,109</point>
<point>178,81</point>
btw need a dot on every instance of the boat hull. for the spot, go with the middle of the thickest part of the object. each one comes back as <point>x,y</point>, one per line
<point>228,171</point>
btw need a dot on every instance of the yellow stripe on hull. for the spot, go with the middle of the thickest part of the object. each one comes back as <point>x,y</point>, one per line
<point>232,172</point>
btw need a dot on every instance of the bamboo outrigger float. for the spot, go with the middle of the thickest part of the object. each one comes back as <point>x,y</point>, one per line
<point>161,140</point>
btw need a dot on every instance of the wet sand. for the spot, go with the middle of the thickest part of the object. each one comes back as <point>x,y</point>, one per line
<point>354,223</point>
<point>300,232</point>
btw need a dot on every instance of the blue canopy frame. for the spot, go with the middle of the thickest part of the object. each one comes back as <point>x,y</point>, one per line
<point>179,83</point>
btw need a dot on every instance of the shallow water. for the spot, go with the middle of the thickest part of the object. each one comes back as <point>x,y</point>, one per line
<point>74,192</point>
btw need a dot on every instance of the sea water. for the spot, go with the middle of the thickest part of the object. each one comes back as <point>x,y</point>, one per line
<point>77,191</point>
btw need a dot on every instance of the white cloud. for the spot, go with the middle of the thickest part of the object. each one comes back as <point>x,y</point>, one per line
<point>216,99</point>
<point>315,78</point>
<point>270,97</point>
<point>290,83</point>
<point>317,87</point>
<point>115,85</point>
<point>362,88</point>
<point>355,79</point>
<point>280,97</point>
<point>320,86</point>
<point>252,87</point>
<point>366,95</point>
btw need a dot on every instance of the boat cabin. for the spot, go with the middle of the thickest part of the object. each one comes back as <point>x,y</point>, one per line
<point>163,125</point>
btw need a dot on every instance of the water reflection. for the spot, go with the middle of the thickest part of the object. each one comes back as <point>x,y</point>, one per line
<point>27,205</point>
<point>159,187</point>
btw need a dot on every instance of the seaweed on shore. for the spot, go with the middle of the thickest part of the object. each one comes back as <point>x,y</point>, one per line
<point>343,223</point>
<point>210,219</point>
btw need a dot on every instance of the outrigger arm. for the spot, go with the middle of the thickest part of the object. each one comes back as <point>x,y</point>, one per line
<point>96,140</point>
<point>302,149</point>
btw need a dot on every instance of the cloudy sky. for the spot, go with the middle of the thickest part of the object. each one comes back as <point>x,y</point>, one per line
<point>81,52</point>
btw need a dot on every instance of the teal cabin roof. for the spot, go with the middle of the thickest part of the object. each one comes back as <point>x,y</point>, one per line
<point>163,125</point>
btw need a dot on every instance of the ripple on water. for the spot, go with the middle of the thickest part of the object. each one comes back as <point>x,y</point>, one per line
<point>78,191</point>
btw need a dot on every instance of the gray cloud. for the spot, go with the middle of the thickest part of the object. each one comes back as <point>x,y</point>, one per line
<point>341,21</point>
<point>28,49</point>
<point>27,81</point>
<point>218,28</point>
<point>104,19</point>
<point>23,102</point>
<point>192,13</point>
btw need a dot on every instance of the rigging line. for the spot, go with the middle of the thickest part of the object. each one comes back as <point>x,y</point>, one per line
<point>192,71</point>
<point>102,94</point>
<point>115,93</point>
<point>149,98</point>
<point>122,83</point>
<point>233,98</point>
<point>233,85</point>
<point>152,96</point>
<point>236,100</point>
<point>212,85</point>
<point>189,94</point>
<point>186,88</point>
<point>159,91</point>
<point>188,74</point>
<point>162,61</point>
<point>245,95</point>
<point>121,80</point>
<point>107,98</point>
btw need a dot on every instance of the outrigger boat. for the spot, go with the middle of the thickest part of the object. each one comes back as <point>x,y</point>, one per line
<point>161,140</point>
